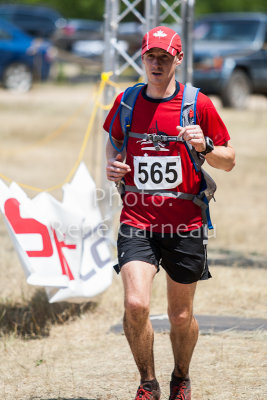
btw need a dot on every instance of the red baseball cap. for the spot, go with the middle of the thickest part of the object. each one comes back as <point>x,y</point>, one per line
<point>163,37</point>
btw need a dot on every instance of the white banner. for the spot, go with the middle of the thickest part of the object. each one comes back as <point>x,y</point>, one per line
<point>61,245</point>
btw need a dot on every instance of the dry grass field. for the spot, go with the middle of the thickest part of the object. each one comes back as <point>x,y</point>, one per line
<point>66,351</point>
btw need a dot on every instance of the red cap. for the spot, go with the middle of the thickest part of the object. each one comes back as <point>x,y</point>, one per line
<point>163,37</point>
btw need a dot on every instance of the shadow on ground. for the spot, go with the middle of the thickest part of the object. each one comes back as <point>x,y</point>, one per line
<point>230,258</point>
<point>64,398</point>
<point>208,324</point>
<point>35,318</point>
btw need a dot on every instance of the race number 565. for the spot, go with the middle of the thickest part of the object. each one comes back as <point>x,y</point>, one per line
<point>152,173</point>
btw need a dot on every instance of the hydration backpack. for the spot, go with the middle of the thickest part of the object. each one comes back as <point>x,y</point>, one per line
<point>188,117</point>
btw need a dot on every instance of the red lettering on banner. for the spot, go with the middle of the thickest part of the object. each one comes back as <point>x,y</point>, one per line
<point>63,262</point>
<point>28,225</point>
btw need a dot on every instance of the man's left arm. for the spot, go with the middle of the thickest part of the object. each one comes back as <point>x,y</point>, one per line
<point>221,157</point>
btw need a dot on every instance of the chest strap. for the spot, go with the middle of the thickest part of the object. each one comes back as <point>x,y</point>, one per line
<point>155,138</point>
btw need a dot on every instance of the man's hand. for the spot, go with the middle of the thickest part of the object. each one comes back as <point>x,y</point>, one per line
<point>116,169</point>
<point>194,135</point>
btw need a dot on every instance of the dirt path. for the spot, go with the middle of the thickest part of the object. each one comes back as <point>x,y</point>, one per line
<point>82,359</point>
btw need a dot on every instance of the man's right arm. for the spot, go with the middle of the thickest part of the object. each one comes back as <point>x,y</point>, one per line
<point>116,169</point>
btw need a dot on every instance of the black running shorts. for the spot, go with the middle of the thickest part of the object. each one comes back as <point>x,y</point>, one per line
<point>183,256</point>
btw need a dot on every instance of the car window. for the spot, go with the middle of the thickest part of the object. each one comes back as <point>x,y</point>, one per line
<point>27,20</point>
<point>86,25</point>
<point>234,30</point>
<point>6,16</point>
<point>4,35</point>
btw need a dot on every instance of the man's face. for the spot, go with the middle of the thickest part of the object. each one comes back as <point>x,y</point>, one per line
<point>160,65</point>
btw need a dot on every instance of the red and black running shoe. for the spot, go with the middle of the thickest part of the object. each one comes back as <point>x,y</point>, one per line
<point>148,390</point>
<point>180,389</point>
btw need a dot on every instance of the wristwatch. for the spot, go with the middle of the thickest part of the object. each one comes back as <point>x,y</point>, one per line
<point>209,146</point>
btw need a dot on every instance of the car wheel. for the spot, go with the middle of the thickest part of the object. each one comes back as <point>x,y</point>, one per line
<point>18,77</point>
<point>237,90</point>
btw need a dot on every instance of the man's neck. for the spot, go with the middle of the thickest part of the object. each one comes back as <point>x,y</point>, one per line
<point>160,91</point>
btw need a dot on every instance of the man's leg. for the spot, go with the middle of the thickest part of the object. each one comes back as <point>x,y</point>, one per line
<point>184,327</point>
<point>137,279</point>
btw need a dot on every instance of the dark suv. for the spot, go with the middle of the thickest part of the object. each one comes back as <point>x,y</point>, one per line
<point>37,21</point>
<point>230,56</point>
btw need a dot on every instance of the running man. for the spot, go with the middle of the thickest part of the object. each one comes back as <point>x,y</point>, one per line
<point>163,228</point>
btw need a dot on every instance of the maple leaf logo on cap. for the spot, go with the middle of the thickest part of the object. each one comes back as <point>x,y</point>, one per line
<point>159,34</point>
<point>164,38</point>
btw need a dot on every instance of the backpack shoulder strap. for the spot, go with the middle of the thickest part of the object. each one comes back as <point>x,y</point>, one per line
<point>208,185</point>
<point>127,106</point>
<point>189,104</point>
<point>188,117</point>
<point>125,111</point>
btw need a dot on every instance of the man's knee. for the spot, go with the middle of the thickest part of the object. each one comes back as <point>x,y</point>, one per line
<point>136,309</point>
<point>180,318</point>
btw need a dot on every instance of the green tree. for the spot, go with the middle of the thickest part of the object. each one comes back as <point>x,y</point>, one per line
<point>211,6</point>
<point>88,9</point>
<point>94,9</point>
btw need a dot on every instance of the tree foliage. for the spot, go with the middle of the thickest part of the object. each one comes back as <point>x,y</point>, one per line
<point>94,9</point>
<point>88,9</point>
<point>211,6</point>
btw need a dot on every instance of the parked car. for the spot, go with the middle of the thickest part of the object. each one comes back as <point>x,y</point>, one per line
<point>79,34</point>
<point>132,33</point>
<point>22,58</point>
<point>74,30</point>
<point>230,56</point>
<point>89,43</point>
<point>37,21</point>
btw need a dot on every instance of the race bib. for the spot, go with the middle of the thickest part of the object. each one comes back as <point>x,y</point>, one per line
<point>152,173</point>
